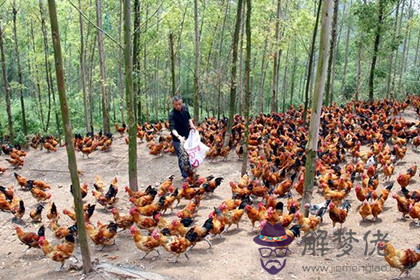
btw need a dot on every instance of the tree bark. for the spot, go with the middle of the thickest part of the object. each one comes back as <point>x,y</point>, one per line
<point>240,74</point>
<point>22,101</point>
<point>317,104</point>
<point>346,59</point>
<point>120,74</point>
<point>274,104</point>
<point>136,62</point>
<point>376,47</point>
<point>72,164</point>
<point>132,128</point>
<point>331,56</point>
<point>83,70</point>
<point>171,48</point>
<point>197,62</point>
<point>6,87</point>
<point>391,57</point>
<point>402,63</point>
<point>311,61</point>
<point>247,84</point>
<point>234,48</point>
<point>102,66</point>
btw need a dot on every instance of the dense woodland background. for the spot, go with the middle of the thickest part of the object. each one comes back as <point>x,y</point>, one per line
<point>374,47</point>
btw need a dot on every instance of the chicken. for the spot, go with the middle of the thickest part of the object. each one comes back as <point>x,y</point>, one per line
<point>49,147</point>
<point>224,152</point>
<point>414,212</point>
<point>30,238</point>
<point>23,182</point>
<point>149,210</point>
<point>339,215</point>
<point>99,184</point>
<point>365,210</point>
<point>144,200</point>
<point>119,129</point>
<point>8,193</point>
<point>190,209</point>
<point>318,209</point>
<point>2,170</point>
<point>388,171</point>
<point>38,194</point>
<point>377,206</point>
<point>87,150</point>
<point>20,211</point>
<point>83,190</point>
<point>36,214</point>
<point>146,244</point>
<point>255,215</point>
<point>138,194</point>
<point>148,223</point>
<point>62,232</point>
<point>41,185</point>
<point>308,224</point>
<point>212,185</point>
<point>17,163</point>
<point>165,186</point>
<point>218,222</point>
<point>52,213</point>
<point>404,260</point>
<point>58,253</point>
<point>166,201</point>
<point>109,199</point>
<point>197,234</point>
<point>103,234</point>
<point>283,188</point>
<point>403,204</point>
<point>123,222</point>
<point>362,193</point>
<point>4,204</point>
<point>233,217</point>
<point>404,179</point>
<point>173,244</point>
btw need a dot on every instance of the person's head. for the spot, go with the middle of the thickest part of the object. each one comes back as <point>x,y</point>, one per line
<point>177,102</point>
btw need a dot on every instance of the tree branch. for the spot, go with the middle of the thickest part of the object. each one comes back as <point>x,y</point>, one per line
<point>106,34</point>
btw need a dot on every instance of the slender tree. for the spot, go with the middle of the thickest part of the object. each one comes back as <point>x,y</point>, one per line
<point>173,59</point>
<point>72,164</point>
<point>22,100</point>
<point>276,59</point>
<point>312,146</point>
<point>376,47</point>
<point>83,69</point>
<point>311,61</point>
<point>120,74</point>
<point>6,87</point>
<point>102,66</point>
<point>333,40</point>
<point>247,83</point>
<point>197,62</point>
<point>132,128</point>
<point>234,49</point>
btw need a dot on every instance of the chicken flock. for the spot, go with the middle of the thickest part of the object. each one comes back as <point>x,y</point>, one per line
<point>359,142</point>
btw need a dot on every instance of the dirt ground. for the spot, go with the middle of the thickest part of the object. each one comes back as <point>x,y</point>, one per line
<point>235,256</point>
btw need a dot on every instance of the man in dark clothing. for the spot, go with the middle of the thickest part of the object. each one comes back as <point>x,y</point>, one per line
<point>180,123</point>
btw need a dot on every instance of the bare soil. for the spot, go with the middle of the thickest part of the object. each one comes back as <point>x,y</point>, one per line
<point>235,256</point>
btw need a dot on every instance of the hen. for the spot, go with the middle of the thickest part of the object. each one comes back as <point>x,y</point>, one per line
<point>58,253</point>
<point>146,244</point>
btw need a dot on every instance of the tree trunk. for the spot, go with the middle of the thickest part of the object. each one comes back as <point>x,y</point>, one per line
<point>6,87</point>
<point>274,103</point>
<point>197,62</point>
<point>37,81</point>
<point>331,56</point>
<point>91,101</point>
<point>102,66</point>
<point>417,50</point>
<point>72,164</point>
<point>145,70</point>
<point>120,74</point>
<point>46,51</point>
<point>22,102</point>
<point>346,59</point>
<point>284,86</point>
<point>311,61</point>
<point>136,61</point>
<point>359,71</point>
<point>171,47</point>
<point>83,70</point>
<point>391,57</point>
<point>312,146</point>
<point>247,83</point>
<point>132,128</point>
<point>240,74</point>
<point>404,47</point>
<point>376,47</point>
<point>262,77</point>
<point>292,87</point>
<point>234,48</point>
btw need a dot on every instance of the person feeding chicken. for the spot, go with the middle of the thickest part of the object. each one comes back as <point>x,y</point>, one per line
<point>180,123</point>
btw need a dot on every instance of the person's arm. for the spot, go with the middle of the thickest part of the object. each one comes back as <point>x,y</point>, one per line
<point>192,126</point>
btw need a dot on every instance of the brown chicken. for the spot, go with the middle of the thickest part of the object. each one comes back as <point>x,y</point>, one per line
<point>109,199</point>
<point>49,147</point>
<point>377,206</point>
<point>144,200</point>
<point>52,213</point>
<point>119,129</point>
<point>145,222</point>
<point>36,214</point>
<point>146,244</point>
<point>30,239</point>
<point>123,222</point>
<point>23,182</point>
<point>339,215</point>
<point>103,234</point>
<point>365,210</point>
<point>414,212</point>
<point>308,224</point>
<point>404,179</point>
<point>38,194</point>
<point>173,244</point>
<point>403,204</point>
<point>58,253</point>
<point>255,215</point>
<point>190,209</point>
<point>388,171</point>
<point>404,260</point>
